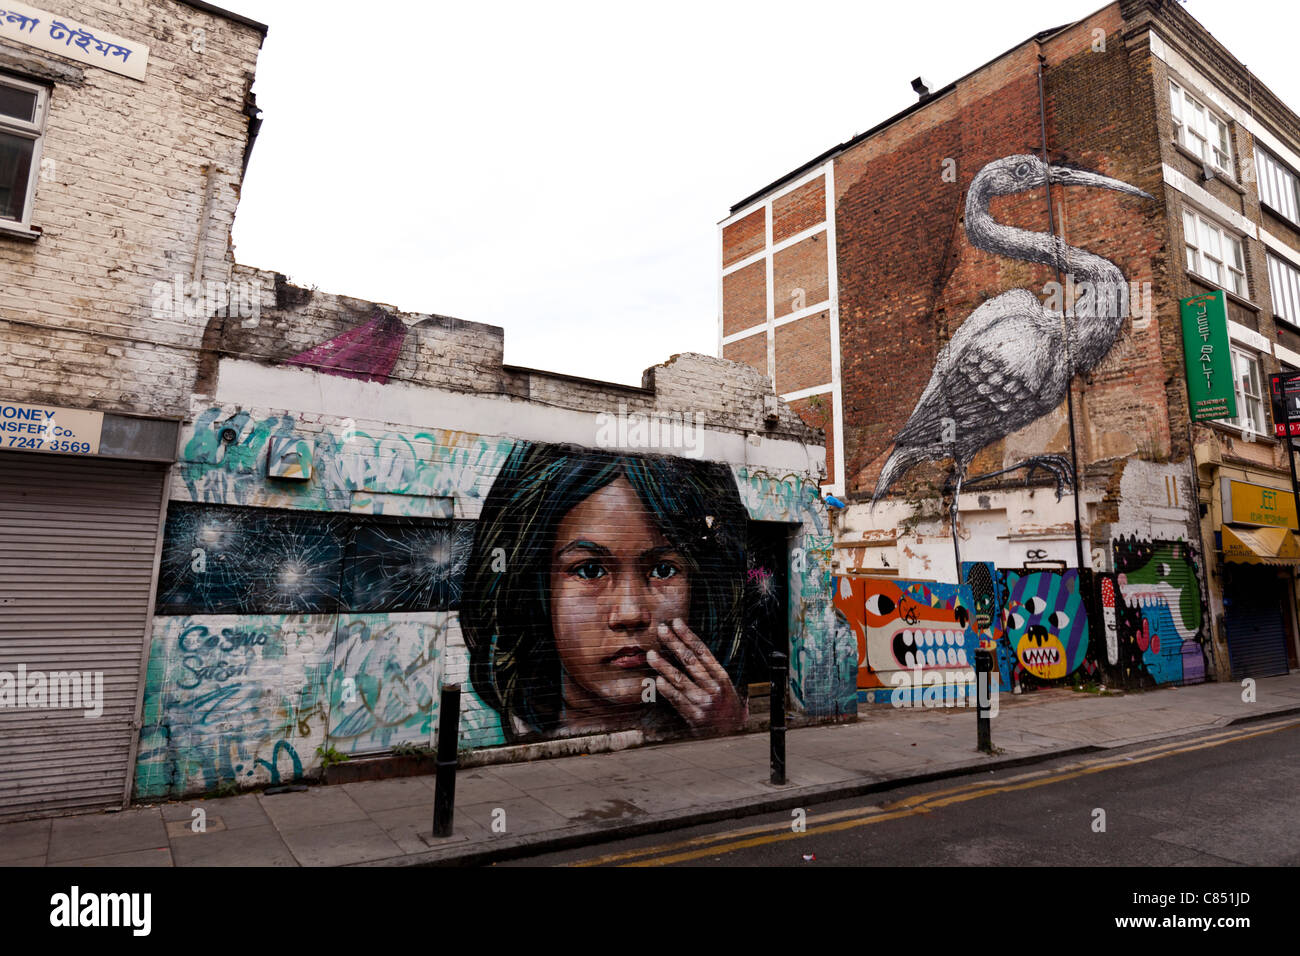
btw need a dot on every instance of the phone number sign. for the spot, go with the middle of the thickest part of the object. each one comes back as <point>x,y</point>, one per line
<point>63,431</point>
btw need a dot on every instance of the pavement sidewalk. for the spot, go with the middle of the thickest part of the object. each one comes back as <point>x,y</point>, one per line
<point>571,801</point>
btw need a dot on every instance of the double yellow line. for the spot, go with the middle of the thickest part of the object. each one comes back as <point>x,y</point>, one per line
<point>730,841</point>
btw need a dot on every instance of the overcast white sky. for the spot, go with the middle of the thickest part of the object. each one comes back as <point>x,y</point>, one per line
<point>559,168</point>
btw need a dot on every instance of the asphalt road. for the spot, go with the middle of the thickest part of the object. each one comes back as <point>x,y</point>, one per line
<point>1229,798</point>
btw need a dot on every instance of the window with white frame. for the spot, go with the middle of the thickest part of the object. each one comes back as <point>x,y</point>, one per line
<point>1247,380</point>
<point>1279,187</point>
<point>1284,285</point>
<point>1214,253</point>
<point>22,123</point>
<point>1199,129</point>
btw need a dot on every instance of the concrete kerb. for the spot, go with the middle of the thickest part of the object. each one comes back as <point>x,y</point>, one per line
<point>534,844</point>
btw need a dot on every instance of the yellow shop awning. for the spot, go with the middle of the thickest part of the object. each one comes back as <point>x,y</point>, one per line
<point>1260,546</point>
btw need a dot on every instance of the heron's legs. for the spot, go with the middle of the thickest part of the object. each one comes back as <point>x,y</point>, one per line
<point>1058,465</point>
<point>958,476</point>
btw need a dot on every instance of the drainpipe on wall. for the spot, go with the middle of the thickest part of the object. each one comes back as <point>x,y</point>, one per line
<point>205,219</point>
<point>1204,575</point>
<point>1069,392</point>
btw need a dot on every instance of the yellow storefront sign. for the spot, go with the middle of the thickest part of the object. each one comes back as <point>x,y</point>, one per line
<point>1247,503</point>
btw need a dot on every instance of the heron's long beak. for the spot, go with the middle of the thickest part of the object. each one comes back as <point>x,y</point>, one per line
<point>1069,176</point>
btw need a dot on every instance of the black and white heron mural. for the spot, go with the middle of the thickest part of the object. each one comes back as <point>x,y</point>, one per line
<point>1011,361</point>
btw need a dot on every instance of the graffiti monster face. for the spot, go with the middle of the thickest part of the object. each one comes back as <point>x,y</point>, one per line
<point>1045,623</point>
<point>913,627</point>
<point>1168,579</point>
<point>1040,648</point>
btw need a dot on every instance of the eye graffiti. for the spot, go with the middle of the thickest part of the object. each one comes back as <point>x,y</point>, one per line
<point>1045,623</point>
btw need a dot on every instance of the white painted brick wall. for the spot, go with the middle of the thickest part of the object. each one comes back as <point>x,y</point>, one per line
<point>122,210</point>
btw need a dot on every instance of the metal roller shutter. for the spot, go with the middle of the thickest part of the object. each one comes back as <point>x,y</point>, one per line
<point>78,548</point>
<point>1253,620</point>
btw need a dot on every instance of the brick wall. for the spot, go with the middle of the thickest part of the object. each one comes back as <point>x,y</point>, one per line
<point>800,209</point>
<point>752,350</point>
<point>744,298</point>
<point>743,238</point>
<point>803,353</point>
<point>799,275</point>
<point>909,275</point>
<point>128,164</point>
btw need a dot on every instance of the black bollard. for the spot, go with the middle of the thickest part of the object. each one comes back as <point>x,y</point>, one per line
<point>780,675</point>
<point>444,783</point>
<point>983,699</point>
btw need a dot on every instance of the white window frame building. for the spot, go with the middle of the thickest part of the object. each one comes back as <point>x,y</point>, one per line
<point>1199,129</point>
<point>1215,253</point>
<point>1279,186</point>
<point>24,129</point>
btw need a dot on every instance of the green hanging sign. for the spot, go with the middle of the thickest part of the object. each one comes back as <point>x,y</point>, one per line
<point>1210,392</point>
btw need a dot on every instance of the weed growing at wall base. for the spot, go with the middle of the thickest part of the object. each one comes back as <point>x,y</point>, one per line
<point>57,690</point>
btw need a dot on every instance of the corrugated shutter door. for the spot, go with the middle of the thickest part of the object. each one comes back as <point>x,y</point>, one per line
<point>1256,635</point>
<point>78,539</point>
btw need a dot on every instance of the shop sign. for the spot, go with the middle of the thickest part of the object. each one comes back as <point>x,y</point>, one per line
<point>55,33</point>
<point>64,431</point>
<point>1246,503</point>
<point>1210,392</point>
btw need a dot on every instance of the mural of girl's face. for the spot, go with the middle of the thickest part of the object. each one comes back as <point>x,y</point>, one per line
<point>614,579</point>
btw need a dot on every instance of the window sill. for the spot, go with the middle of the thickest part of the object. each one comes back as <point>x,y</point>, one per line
<point>1236,431</point>
<point>15,231</point>
<point>1222,175</point>
<point>1209,284</point>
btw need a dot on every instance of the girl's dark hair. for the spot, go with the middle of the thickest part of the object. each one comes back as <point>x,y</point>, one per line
<point>505,608</point>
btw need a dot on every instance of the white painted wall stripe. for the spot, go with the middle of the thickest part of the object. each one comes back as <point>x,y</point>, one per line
<point>783,244</point>
<point>1279,246</point>
<point>307,392</point>
<point>1208,203</point>
<point>1210,91</point>
<point>808,392</point>
<point>1241,333</point>
<point>775,194</point>
<point>833,286</point>
<point>803,313</point>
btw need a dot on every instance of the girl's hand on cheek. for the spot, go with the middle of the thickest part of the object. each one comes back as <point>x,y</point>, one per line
<point>701,690</point>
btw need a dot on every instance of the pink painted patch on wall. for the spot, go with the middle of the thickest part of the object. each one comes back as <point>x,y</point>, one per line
<point>368,352</point>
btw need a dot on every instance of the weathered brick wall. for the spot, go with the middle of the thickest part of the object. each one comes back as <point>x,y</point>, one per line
<point>744,297</point>
<point>799,276</point>
<point>909,275</point>
<point>121,207</point>
<point>800,209</point>
<point>803,353</point>
<point>752,350</point>
<point>744,237</point>
<point>370,341</point>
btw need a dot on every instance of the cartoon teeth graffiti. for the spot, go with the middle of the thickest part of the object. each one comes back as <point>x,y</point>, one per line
<point>1040,651</point>
<point>1159,579</point>
<point>1156,583</point>
<point>917,625</point>
<point>1045,623</point>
